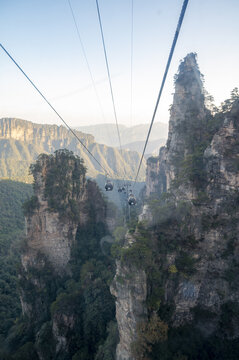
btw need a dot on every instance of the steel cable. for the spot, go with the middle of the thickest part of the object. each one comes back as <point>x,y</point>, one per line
<point>60,117</point>
<point>180,21</point>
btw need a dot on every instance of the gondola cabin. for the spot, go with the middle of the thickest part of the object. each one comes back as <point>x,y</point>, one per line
<point>109,185</point>
<point>131,200</point>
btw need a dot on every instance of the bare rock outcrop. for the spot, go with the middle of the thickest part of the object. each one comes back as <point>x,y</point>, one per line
<point>47,231</point>
<point>130,289</point>
<point>63,205</point>
<point>193,211</point>
<point>208,181</point>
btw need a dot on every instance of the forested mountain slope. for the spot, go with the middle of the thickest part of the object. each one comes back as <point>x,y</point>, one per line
<point>132,137</point>
<point>67,309</point>
<point>22,141</point>
<point>175,293</point>
<point>12,196</point>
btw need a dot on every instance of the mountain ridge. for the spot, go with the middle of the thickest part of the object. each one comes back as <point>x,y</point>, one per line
<point>176,282</point>
<point>21,141</point>
<point>107,134</point>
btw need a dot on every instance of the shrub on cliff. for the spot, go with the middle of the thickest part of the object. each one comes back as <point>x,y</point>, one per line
<point>149,333</point>
<point>64,177</point>
<point>12,195</point>
<point>30,205</point>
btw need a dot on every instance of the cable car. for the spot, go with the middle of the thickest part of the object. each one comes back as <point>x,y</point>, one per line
<point>109,185</point>
<point>131,200</point>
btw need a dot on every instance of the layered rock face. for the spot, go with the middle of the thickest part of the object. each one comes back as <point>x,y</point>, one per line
<point>22,141</point>
<point>47,232</point>
<point>193,215</point>
<point>129,287</point>
<point>188,118</point>
<point>64,205</point>
<point>207,180</point>
<point>26,131</point>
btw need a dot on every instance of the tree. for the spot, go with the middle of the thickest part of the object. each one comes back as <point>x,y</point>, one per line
<point>149,333</point>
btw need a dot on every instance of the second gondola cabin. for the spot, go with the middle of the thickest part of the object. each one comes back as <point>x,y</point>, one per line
<point>131,200</point>
<point>109,185</point>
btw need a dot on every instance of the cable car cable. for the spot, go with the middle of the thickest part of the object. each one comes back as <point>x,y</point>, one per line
<point>90,72</point>
<point>61,118</point>
<point>180,21</point>
<point>110,82</point>
<point>131,61</point>
<point>108,73</point>
<point>87,62</point>
<point>86,59</point>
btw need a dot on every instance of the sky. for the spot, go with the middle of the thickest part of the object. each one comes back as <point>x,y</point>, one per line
<point>42,38</point>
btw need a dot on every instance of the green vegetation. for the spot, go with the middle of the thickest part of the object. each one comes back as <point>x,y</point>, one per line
<point>17,155</point>
<point>149,332</point>
<point>140,253</point>
<point>30,205</point>
<point>189,343</point>
<point>169,233</point>
<point>227,105</point>
<point>170,239</point>
<point>202,314</point>
<point>231,274</point>
<point>85,297</point>
<point>167,211</point>
<point>12,195</point>
<point>64,182</point>
<point>78,303</point>
<point>197,131</point>
<point>107,350</point>
<point>185,263</point>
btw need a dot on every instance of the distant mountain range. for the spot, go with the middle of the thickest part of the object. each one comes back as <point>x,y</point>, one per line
<point>152,147</point>
<point>132,138</point>
<point>22,141</point>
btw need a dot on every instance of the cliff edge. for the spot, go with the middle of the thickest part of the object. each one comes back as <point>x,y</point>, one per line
<point>188,234</point>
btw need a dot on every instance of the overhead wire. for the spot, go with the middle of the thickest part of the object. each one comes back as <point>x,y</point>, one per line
<point>87,62</point>
<point>60,117</point>
<point>111,87</point>
<point>108,73</point>
<point>180,21</point>
<point>131,62</point>
<point>86,58</point>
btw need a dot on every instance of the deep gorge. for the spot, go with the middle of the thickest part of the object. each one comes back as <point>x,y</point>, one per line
<point>165,285</point>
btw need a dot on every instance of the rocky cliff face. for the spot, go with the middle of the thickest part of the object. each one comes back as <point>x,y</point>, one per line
<point>47,231</point>
<point>61,220</point>
<point>22,141</point>
<point>203,172</point>
<point>49,235</point>
<point>213,285</point>
<point>189,120</point>
<point>130,290</point>
<point>193,216</point>
<point>26,131</point>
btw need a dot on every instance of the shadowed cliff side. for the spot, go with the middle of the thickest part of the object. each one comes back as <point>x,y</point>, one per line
<point>187,239</point>
<point>66,303</point>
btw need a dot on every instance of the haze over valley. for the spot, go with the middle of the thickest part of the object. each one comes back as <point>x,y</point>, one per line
<point>132,137</point>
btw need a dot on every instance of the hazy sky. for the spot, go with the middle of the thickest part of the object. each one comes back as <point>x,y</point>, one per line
<point>41,36</point>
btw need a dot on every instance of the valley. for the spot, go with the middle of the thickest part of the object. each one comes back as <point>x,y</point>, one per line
<point>91,281</point>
